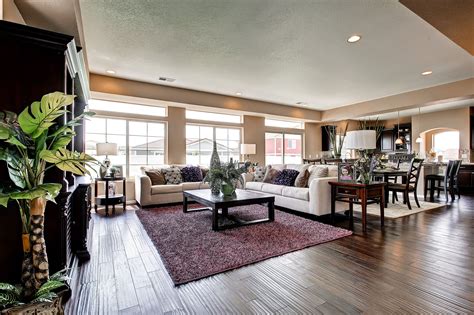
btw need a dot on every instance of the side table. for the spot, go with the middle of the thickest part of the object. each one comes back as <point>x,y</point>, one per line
<point>107,199</point>
<point>358,193</point>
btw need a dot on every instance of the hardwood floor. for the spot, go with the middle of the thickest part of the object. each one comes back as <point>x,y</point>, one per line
<point>423,263</point>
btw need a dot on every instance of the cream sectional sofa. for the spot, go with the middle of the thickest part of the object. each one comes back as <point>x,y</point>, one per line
<point>315,199</point>
<point>146,194</point>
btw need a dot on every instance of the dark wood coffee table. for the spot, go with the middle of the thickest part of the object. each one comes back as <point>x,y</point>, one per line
<point>241,198</point>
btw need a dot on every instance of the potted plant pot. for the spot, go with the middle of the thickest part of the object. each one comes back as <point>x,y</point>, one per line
<point>227,189</point>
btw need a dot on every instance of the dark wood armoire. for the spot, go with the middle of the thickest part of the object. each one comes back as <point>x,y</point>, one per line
<point>34,62</point>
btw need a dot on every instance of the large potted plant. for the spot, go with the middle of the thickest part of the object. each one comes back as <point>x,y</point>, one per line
<point>227,175</point>
<point>30,145</point>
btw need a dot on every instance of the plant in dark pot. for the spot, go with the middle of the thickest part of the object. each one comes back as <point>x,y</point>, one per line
<point>30,145</point>
<point>227,175</point>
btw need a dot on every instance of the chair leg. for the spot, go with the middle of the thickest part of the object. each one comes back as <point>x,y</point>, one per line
<point>404,198</point>
<point>416,199</point>
<point>393,196</point>
<point>439,184</point>
<point>446,193</point>
<point>425,188</point>
<point>405,194</point>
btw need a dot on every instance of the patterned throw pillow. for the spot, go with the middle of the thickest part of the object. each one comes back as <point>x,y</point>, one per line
<point>286,177</point>
<point>204,171</point>
<point>302,179</point>
<point>270,175</point>
<point>259,173</point>
<point>191,174</point>
<point>172,175</point>
<point>318,172</point>
<point>156,177</point>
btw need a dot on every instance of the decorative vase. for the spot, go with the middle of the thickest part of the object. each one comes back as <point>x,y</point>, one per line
<point>214,184</point>
<point>227,189</point>
<point>364,178</point>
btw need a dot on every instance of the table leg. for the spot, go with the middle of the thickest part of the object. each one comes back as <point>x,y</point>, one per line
<point>95,195</point>
<point>124,194</point>
<point>382,202</point>
<point>271,211</point>
<point>363,204</point>
<point>215,216</point>
<point>385,179</point>
<point>225,211</point>
<point>351,215</point>
<point>106,199</point>
<point>333,203</point>
<point>185,204</point>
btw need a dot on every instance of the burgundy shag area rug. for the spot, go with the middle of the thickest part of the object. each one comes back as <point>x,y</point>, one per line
<point>190,249</point>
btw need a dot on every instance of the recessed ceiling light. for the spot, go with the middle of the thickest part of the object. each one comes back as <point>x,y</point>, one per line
<point>166,79</point>
<point>354,38</point>
<point>302,103</point>
<point>238,93</point>
<point>110,71</point>
<point>427,72</point>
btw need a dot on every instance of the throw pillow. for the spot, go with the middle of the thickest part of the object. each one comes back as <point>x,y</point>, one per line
<point>259,173</point>
<point>156,177</point>
<point>318,172</point>
<point>204,171</point>
<point>270,175</point>
<point>191,174</point>
<point>286,177</point>
<point>172,175</point>
<point>302,179</point>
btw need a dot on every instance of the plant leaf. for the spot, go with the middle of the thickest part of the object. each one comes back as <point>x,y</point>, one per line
<point>14,165</point>
<point>39,116</point>
<point>68,161</point>
<point>45,298</point>
<point>61,275</point>
<point>48,191</point>
<point>48,287</point>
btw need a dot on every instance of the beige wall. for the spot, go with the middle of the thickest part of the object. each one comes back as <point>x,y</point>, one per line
<point>313,136</point>
<point>9,12</point>
<point>254,133</point>
<point>457,119</point>
<point>176,135</point>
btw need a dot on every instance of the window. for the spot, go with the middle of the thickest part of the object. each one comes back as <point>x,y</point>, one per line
<point>127,108</point>
<point>284,124</point>
<point>283,148</point>
<point>226,118</point>
<point>447,144</point>
<point>199,143</point>
<point>139,143</point>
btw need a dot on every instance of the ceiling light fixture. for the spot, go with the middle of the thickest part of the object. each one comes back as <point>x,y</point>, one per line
<point>238,93</point>
<point>399,140</point>
<point>354,38</point>
<point>110,71</point>
<point>419,139</point>
<point>427,72</point>
<point>302,103</point>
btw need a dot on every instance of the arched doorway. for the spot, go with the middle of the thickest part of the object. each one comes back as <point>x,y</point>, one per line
<point>444,141</point>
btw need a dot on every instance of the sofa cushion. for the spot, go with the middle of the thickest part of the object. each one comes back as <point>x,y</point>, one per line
<point>259,173</point>
<point>254,185</point>
<point>191,185</point>
<point>172,175</point>
<point>166,189</point>
<point>272,188</point>
<point>296,192</point>
<point>317,171</point>
<point>332,170</point>
<point>156,177</point>
<point>270,175</point>
<point>302,179</point>
<point>298,167</point>
<point>203,185</point>
<point>191,174</point>
<point>286,177</point>
<point>143,169</point>
<point>279,167</point>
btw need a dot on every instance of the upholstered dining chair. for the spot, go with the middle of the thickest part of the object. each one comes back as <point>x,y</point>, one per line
<point>410,184</point>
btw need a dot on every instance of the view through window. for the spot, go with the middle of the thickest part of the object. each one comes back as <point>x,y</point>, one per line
<point>447,144</point>
<point>283,148</point>
<point>139,142</point>
<point>199,143</point>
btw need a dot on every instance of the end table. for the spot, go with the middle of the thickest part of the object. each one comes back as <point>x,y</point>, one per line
<point>108,199</point>
<point>358,193</point>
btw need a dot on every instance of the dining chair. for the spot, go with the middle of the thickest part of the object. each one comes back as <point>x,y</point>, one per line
<point>448,182</point>
<point>410,184</point>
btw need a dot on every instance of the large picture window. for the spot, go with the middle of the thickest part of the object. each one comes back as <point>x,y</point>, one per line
<point>446,143</point>
<point>283,148</point>
<point>199,142</point>
<point>139,143</point>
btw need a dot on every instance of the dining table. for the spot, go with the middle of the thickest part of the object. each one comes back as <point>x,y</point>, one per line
<point>388,173</point>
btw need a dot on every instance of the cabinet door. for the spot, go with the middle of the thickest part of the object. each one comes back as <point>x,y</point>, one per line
<point>387,141</point>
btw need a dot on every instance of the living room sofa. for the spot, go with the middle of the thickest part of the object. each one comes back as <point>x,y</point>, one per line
<point>314,199</point>
<point>147,194</point>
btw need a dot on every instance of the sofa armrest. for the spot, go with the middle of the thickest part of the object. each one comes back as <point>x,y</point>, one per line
<point>247,177</point>
<point>143,189</point>
<point>320,196</point>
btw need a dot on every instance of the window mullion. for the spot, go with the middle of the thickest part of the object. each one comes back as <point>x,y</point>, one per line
<point>127,148</point>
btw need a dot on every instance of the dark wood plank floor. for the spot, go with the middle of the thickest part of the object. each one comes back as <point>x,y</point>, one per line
<point>423,263</point>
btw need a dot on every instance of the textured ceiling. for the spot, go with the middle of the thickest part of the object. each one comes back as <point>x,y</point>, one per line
<point>273,50</point>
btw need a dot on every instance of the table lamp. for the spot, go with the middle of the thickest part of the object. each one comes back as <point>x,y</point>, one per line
<point>106,149</point>
<point>247,149</point>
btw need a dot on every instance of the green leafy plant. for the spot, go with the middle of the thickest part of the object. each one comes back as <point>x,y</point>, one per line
<point>376,125</point>
<point>31,144</point>
<point>228,173</point>
<point>337,135</point>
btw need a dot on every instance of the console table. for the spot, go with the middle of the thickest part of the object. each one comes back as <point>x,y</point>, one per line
<point>107,199</point>
<point>358,193</point>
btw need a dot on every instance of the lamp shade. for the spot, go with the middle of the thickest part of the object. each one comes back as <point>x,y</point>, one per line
<point>419,140</point>
<point>248,148</point>
<point>106,148</point>
<point>361,140</point>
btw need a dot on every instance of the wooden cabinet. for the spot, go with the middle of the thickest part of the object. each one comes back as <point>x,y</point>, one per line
<point>387,141</point>
<point>325,139</point>
<point>466,179</point>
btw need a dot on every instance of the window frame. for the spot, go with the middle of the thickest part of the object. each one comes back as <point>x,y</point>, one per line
<point>211,120</point>
<point>283,134</point>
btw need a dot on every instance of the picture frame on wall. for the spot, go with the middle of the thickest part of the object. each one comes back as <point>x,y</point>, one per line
<point>345,172</point>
